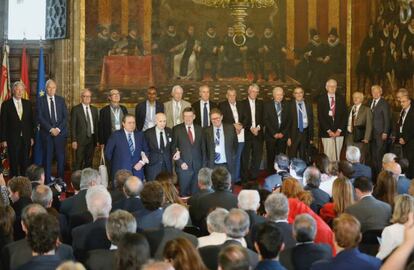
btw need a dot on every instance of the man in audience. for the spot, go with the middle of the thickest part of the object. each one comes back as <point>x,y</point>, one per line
<point>403,182</point>
<point>353,155</point>
<point>175,107</point>
<point>36,175</point>
<point>347,231</point>
<point>306,252</point>
<point>152,198</point>
<point>297,168</point>
<point>312,177</point>
<point>233,257</point>
<point>202,107</point>
<point>204,188</point>
<point>119,223</point>
<point>146,111</point>
<point>371,213</point>
<point>237,226</point>
<point>282,170</point>
<point>43,195</point>
<point>249,201</point>
<point>215,228</point>
<point>117,193</point>
<point>174,220</point>
<point>269,242</point>
<point>388,158</point>
<point>132,202</point>
<point>75,180</point>
<point>92,235</point>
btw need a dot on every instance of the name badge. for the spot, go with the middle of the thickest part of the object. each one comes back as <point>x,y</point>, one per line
<point>330,113</point>
<point>117,126</point>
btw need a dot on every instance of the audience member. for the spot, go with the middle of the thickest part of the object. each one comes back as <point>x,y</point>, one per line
<point>215,228</point>
<point>297,168</point>
<point>263,196</point>
<point>75,180</point>
<point>282,170</point>
<point>386,187</point>
<point>133,253</point>
<point>293,189</point>
<point>233,257</point>
<point>152,197</point>
<point>345,169</point>
<point>312,179</point>
<point>353,155</point>
<point>43,195</point>
<point>171,195</point>
<point>249,201</point>
<point>204,187</point>
<point>7,217</point>
<point>328,174</point>
<point>119,181</point>
<point>268,244</point>
<point>132,202</point>
<point>36,175</point>
<point>399,169</point>
<point>182,254</point>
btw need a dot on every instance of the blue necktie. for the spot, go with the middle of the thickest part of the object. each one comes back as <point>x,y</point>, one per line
<point>217,142</point>
<point>300,118</point>
<point>52,111</point>
<point>205,115</point>
<point>131,144</point>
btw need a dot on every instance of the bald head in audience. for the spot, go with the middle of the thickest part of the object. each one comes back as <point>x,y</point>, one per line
<point>133,187</point>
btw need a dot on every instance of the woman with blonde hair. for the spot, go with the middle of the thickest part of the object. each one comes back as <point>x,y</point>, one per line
<point>392,236</point>
<point>293,189</point>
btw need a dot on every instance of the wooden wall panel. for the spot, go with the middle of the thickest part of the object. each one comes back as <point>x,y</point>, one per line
<point>301,23</point>
<point>323,18</point>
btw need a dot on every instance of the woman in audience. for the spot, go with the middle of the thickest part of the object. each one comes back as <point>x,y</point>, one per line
<point>171,193</point>
<point>293,189</point>
<point>393,235</point>
<point>181,253</point>
<point>342,196</point>
<point>386,187</point>
<point>133,252</point>
<point>7,217</point>
<point>329,171</point>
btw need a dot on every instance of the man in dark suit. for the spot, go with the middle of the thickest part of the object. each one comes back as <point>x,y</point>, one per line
<point>301,126</point>
<point>110,117</point>
<point>188,140</point>
<point>203,107</point>
<point>145,111</point>
<point>312,179</point>
<point>404,133</point>
<point>277,122</point>
<point>127,148</point>
<point>152,197</point>
<point>220,143</point>
<point>252,110</point>
<point>332,120</point>
<point>204,188</point>
<point>159,140</point>
<point>52,115</point>
<point>232,114</point>
<point>17,130</point>
<point>381,121</point>
<point>132,203</point>
<point>269,243</point>
<point>84,130</point>
<point>353,155</point>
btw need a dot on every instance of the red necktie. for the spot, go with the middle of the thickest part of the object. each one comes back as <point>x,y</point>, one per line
<point>190,135</point>
<point>333,106</point>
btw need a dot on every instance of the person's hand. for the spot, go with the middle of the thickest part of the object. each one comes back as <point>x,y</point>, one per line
<point>4,144</point>
<point>176,155</point>
<point>31,142</point>
<point>331,134</point>
<point>384,136</point>
<point>2,181</point>
<point>74,145</point>
<point>139,165</point>
<point>337,133</point>
<point>289,142</point>
<point>184,166</point>
<point>402,142</point>
<point>365,141</point>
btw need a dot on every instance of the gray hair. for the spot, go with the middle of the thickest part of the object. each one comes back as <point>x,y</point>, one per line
<point>133,186</point>
<point>312,176</point>
<point>49,82</point>
<point>42,195</point>
<point>215,220</point>
<point>204,177</point>
<point>253,85</point>
<point>18,83</point>
<point>248,199</point>
<point>31,211</point>
<point>89,177</point>
<point>98,201</point>
<point>175,87</point>
<point>389,157</point>
<point>353,154</point>
<point>277,206</point>
<point>237,223</point>
<point>119,223</point>
<point>175,216</point>
<point>304,228</point>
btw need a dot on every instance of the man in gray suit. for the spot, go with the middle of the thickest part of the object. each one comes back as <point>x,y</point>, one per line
<point>373,214</point>
<point>175,107</point>
<point>381,115</point>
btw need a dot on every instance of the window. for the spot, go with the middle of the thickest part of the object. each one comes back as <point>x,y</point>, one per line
<point>27,19</point>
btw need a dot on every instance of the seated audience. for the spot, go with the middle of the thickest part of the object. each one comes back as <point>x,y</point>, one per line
<point>371,213</point>
<point>36,175</point>
<point>282,170</point>
<point>297,168</point>
<point>215,228</point>
<point>204,187</point>
<point>293,189</point>
<point>152,198</point>
<point>399,169</point>
<point>268,244</point>
<point>353,155</point>
<point>7,217</point>
<point>345,169</point>
<point>132,202</point>
<point>263,196</point>
<point>393,235</point>
<point>312,179</point>
<point>386,187</point>
<point>347,231</point>
<point>117,193</point>
<point>182,254</point>
<point>328,171</point>
<point>233,257</point>
<point>306,251</point>
<point>342,197</point>
<point>75,180</point>
<point>171,195</point>
<point>388,158</point>
<point>133,253</point>
<point>249,201</point>
<point>43,195</point>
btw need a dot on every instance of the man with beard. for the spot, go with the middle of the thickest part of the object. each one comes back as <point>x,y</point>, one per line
<point>168,46</point>
<point>336,54</point>
<point>209,51</point>
<point>251,51</point>
<point>135,46</point>
<point>232,65</point>
<point>185,63</point>
<point>272,50</point>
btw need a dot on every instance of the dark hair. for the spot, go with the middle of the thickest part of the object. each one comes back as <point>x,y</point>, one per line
<point>7,217</point>
<point>345,167</point>
<point>126,116</point>
<point>133,252</point>
<point>152,195</point>
<point>404,163</point>
<point>386,187</point>
<point>215,110</point>
<point>234,257</point>
<point>120,178</point>
<point>22,185</point>
<point>269,240</point>
<point>282,161</point>
<point>76,179</point>
<point>34,172</point>
<point>221,179</point>
<point>183,255</point>
<point>43,233</point>
<point>263,193</point>
<point>363,183</point>
<point>298,165</point>
<point>321,161</point>
<point>188,109</point>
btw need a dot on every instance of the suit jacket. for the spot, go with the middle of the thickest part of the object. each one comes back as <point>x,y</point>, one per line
<point>294,126</point>
<point>361,170</point>
<point>320,198</point>
<point>247,118</point>
<point>302,256</point>
<point>194,203</point>
<point>18,207</point>
<point>407,129</point>
<point>169,111</point>
<point>403,184</point>
<point>149,220</point>
<point>157,156</point>
<point>225,109</point>
<point>128,204</point>
<point>373,214</point>
<point>11,125</point>
<point>100,259</point>
<point>192,154</point>
<point>271,121</point>
<point>105,124</point>
<point>117,151</point>
<point>19,252</point>
<point>196,108</point>
<point>327,122</point>
<point>381,117</point>
<point>269,264</point>
<point>79,124</point>
<point>42,262</point>
<point>285,229</point>
<point>75,204</point>
<point>349,259</point>
<point>158,238</point>
<point>363,119</point>
<point>45,121</point>
<point>141,112</point>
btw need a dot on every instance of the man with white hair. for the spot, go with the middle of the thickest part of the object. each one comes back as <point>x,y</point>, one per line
<point>43,195</point>
<point>215,227</point>
<point>353,155</point>
<point>174,220</point>
<point>92,235</point>
<point>249,201</point>
<point>132,203</point>
<point>403,183</point>
<point>174,108</point>
<point>388,158</point>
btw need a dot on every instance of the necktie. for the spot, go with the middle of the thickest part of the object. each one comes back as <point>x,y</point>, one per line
<point>353,118</point>
<point>88,123</point>
<point>374,103</point>
<point>52,111</point>
<point>162,144</point>
<point>278,111</point>
<point>333,106</point>
<point>400,121</point>
<point>217,142</point>
<point>190,135</point>
<point>131,144</point>
<point>19,109</point>
<point>300,122</point>
<point>205,115</point>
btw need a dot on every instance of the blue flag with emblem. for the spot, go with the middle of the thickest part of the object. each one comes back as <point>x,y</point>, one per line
<point>37,150</point>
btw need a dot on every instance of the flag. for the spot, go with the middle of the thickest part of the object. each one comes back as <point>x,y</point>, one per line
<point>38,155</point>
<point>5,78</point>
<point>24,75</point>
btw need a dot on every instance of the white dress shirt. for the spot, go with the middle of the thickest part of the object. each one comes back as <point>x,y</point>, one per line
<point>149,121</point>
<point>252,103</point>
<point>233,107</point>
<point>220,148</point>
<point>158,133</point>
<point>18,103</point>
<point>403,120</point>
<point>356,108</point>
<point>90,115</point>
<point>176,111</point>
